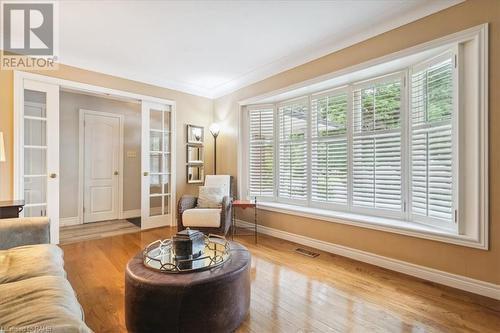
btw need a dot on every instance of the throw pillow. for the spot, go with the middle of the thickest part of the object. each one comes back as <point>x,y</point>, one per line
<point>210,197</point>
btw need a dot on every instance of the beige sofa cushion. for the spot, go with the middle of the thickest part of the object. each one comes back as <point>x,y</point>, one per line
<point>40,304</point>
<point>29,261</point>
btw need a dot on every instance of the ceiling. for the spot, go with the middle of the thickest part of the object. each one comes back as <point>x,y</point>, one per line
<point>211,48</point>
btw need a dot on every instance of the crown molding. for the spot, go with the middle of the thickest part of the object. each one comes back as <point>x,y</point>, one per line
<point>310,53</point>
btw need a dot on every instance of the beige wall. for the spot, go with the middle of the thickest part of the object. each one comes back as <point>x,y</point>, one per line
<point>190,110</point>
<point>70,104</point>
<point>479,264</point>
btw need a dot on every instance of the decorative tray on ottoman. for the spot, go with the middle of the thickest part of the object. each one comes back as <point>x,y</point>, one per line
<point>161,254</point>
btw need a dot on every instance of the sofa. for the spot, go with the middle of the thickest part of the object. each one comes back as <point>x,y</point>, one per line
<point>35,295</point>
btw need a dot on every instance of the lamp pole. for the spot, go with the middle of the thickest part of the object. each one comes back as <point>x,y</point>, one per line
<point>215,154</point>
<point>215,129</point>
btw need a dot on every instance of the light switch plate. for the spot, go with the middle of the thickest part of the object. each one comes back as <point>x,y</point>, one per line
<point>131,154</point>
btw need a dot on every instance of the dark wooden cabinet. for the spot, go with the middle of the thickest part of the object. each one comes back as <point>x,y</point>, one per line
<point>11,209</point>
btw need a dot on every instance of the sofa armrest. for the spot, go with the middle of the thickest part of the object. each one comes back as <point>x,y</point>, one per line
<point>24,231</point>
<point>226,213</point>
<point>185,202</point>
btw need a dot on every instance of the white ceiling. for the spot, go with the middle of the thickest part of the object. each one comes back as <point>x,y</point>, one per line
<point>211,48</point>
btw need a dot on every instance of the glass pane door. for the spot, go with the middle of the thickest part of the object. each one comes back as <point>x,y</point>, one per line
<point>39,152</point>
<point>156,162</point>
<point>35,153</point>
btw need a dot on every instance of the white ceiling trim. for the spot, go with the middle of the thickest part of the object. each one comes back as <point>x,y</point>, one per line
<point>285,63</point>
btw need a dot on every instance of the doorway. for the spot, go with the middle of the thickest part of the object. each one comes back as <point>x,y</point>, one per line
<point>102,165</point>
<point>41,166</point>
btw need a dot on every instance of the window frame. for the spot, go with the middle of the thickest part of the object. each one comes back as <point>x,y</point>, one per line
<point>454,225</point>
<point>404,108</point>
<point>254,108</point>
<point>329,93</point>
<point>278,142</point>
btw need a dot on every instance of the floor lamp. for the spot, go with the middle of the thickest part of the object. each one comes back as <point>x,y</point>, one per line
<point>215,129</point>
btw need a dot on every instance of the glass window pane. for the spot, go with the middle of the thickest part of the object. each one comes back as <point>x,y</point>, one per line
<point>155,119</point>
<point>166,204</point>
<point>35,132</point>
<point>35,190</point>
<point>155,143</point>
<point>35,161</point>
<point>166,121</point>
<point>166,163</point>
<point>35,211</point>
<point>155,206</point>
<point>166,143</point>
<point>156,163</point>
<point>35,102</point>
<point>154,184</point>
<point>166,184</point>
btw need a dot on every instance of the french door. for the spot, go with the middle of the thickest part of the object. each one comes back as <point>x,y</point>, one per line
<point>157,207</point>
<point>38,153</point>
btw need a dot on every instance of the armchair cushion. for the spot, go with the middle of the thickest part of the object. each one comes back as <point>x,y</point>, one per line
<point>210,197</point>
<point>202,217</point>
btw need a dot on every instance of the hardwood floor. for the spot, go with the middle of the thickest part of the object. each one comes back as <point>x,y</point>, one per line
<point>291,292</point>
<point>96,230</point>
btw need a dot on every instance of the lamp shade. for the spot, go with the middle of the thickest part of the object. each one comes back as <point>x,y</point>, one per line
<point>214,129</point>
<point>2,148</point>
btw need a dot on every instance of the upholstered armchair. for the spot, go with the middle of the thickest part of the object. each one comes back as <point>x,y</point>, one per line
<point>207,220</point>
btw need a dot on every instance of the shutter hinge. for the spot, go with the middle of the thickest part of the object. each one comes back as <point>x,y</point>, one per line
<point>404,206</point>
<point>84,209</point>
<point>456,216</point>
<point>456,61</point>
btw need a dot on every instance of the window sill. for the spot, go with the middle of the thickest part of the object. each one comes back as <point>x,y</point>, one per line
<point>371,222</point>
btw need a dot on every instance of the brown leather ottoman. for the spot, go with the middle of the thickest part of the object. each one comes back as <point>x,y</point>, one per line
<point>215,300</point>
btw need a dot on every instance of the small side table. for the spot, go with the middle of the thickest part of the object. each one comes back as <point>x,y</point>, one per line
<point>244,204</point>
<point>11,209</point>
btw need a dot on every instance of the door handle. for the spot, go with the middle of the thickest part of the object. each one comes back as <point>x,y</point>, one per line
<point>115,173</point>
<point>52,175</point>
<point>146,173</point>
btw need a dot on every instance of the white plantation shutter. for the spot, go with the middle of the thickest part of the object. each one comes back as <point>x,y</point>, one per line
<point>261,152</point>
<point>292,178</point>
<point>431,140</point>
<point>329,148</point>
<point>376,147</point>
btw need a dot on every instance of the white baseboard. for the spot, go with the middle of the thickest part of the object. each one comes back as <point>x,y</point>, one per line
<point>128,214</point>
<point>66,221</point>
<point>448,279</point>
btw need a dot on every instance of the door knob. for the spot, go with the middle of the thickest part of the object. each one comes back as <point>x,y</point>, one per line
<point>115,173</point>
<point>52,175</point>
<point>146,173</point>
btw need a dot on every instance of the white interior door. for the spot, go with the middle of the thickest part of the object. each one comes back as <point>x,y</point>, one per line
<point>39,158</point>
<point>101,167</point>
<point>157,160</point>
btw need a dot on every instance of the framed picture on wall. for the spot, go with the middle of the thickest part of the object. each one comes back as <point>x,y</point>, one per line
<point>195,134</point>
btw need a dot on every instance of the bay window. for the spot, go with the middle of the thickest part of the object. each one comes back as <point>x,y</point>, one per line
<point>401,150</point>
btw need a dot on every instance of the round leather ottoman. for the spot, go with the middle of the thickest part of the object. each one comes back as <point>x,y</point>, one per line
<point>214,300</point>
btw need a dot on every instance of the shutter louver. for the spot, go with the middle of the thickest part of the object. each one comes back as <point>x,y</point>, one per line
<point>376,156</point>
<point>293,118</point>
<point>261,159</point>
<point>431,141</point>
<point>329,149</point>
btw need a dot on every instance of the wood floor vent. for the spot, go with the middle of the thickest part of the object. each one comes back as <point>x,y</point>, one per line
<point>306,253</point>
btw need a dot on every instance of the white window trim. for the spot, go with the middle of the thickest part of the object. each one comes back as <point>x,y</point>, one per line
<point>480,239</point>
